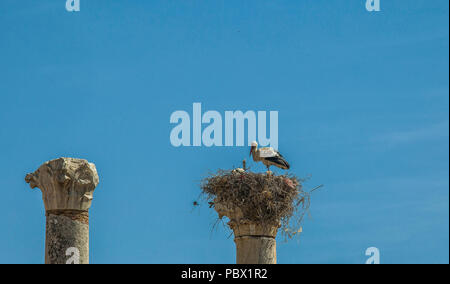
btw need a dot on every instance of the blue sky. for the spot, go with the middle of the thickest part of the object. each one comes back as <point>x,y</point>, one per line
<point>363,107</point>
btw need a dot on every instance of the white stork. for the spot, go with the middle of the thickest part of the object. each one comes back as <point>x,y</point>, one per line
<point>268,156</point>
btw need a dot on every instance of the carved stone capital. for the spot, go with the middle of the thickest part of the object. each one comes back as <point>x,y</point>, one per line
<point>255,241</point>
<point>242,226</point>
<point>66,183</point>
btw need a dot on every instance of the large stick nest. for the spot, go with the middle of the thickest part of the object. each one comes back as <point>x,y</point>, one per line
<point>262,198</point>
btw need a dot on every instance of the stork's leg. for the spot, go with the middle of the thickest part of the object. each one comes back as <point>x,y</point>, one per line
<point>269,173</point>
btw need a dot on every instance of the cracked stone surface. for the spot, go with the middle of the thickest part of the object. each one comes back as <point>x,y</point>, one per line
<point>63,235</point>
<point>66,183</point>
<point>67,187</point>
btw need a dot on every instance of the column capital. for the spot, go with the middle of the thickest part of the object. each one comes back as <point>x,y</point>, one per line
<point>242,226</point>
<point>66,183</point>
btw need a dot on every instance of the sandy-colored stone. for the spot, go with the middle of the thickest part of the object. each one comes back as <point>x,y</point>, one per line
<point>62,235</point>
<point>255,243</point>
<point>67,187</point>
<point>255,250</point>
<point>66,183</point>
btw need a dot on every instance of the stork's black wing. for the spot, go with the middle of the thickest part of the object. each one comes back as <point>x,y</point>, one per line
<point>279,154</point>
<point>279,160</point>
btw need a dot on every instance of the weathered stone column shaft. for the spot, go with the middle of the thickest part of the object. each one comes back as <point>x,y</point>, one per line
<point>256,250</point>
<point>67,237</point>
<point>255,243</point>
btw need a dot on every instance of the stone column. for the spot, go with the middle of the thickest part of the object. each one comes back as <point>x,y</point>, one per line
<point>67,187</point>
<point>255,242</point>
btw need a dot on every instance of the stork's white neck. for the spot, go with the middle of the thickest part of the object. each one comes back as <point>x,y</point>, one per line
<point>255,154</point>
